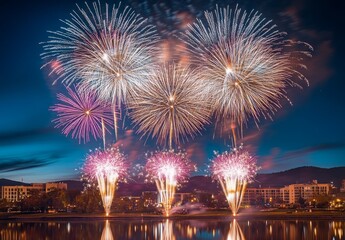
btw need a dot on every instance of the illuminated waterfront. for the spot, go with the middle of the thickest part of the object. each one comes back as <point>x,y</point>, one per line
<point>174,229</point>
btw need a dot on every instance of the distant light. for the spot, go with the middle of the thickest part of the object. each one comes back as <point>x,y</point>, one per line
<point>87,112</point>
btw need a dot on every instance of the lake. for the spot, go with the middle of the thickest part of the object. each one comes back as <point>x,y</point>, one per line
<point>173,229</point>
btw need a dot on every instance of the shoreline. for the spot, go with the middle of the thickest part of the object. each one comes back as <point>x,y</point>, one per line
<point>219,215</point>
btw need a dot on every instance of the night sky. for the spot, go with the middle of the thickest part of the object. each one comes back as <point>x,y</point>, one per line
<point>309,133</point>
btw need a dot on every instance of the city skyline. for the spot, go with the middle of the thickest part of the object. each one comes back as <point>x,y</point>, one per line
<point>309,133</point>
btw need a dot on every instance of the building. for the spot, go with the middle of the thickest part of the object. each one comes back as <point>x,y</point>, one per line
<point>342,188</point>
<point>130,203</point>
<point>52,186</point>
<point>265,195</point>
<point>182,197</point>
<point>149,198</point>
<point>16,193</point>
<point>307,191</point>
<point>286,195</point>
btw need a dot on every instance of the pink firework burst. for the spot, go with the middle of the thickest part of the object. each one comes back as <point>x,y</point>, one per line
<point>108,167</point>
<point>108,163</point>
<point>237,164</point>
<point>167,169</point>
<point>81,114</point>
<point>169,164</point>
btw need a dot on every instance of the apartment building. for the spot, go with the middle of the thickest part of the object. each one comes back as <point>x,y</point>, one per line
<point>288,194</point>
<point>16,193</point>
<point>307,191</point>
<point>266,194</point>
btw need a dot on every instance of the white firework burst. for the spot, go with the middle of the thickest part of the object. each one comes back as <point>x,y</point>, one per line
<point>174,104</point>
<point>247,60</point>
<point>106,49</point>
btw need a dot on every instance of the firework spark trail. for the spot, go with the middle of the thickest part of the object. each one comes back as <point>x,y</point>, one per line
<point>168,169</point>
<point>173,104</point>
<point>107,166</point>
<point>82,114</point>
<point>171,18</point>
<point>247,60</point>
<point>105,49</point>
<point>234,170</point>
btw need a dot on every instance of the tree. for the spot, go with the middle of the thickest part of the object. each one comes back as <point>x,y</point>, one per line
<point>57,199</point>
<point>322,201</point>
<point>37,201</point>
<point>89,201</point>
<point>4,205</point>
<point>301,202</point>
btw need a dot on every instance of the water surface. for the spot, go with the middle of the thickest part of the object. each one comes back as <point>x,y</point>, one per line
<point>173,229</point>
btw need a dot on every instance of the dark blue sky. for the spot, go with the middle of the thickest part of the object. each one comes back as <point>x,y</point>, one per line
<point>311,132</point>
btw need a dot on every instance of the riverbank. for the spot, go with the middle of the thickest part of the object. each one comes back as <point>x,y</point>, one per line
<point>225,215</point>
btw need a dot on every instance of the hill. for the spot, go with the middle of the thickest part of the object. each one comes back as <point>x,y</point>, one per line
<point>206,184</point>
<point>300,175</point>
<point>7,182</point>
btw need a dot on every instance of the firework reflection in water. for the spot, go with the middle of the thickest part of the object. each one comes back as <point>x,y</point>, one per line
<point>168,169</point>
<point>234,170</point>
<point>107,166</point>
<point>235,232</point>
<point>164,230</point>
<point>107,233</point>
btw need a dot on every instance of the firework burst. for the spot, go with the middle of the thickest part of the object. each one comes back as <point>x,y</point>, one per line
<point>108,49</point>
<point>82,114</point>
<point>107,166</point>
<point>172,105</point>
<point>168,169</point>
<point>171,19</point>
<point>234,170</point>
<point>247,60</point>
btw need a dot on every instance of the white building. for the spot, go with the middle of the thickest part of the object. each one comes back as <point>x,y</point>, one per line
<point>307,191</point>
<point>289,194</point>
<point>16,193</point>
<point>267,194</point>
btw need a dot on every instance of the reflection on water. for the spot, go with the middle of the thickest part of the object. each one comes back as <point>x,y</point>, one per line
<point>235,232</point>
<point>170,229</point>
<point>164,230</point>
<point>107,234</point>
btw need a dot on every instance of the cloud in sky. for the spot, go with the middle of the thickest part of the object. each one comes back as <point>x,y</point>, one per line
<point>27,134</point>
<point>277,159</point>
<point>22,164</point>
<point>319,67</point>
